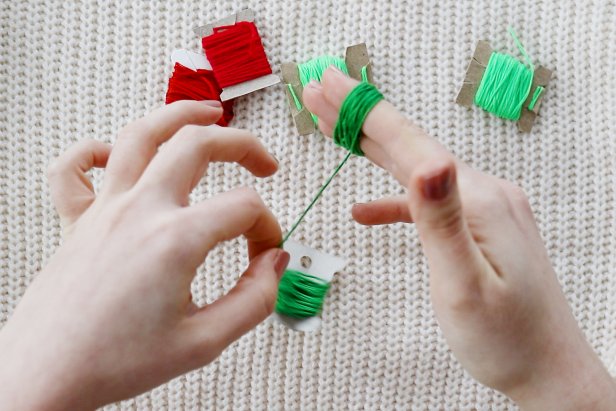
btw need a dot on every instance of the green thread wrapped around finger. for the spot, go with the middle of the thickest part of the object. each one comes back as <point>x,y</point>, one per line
<point>300,295</point>
<point>353,112</point>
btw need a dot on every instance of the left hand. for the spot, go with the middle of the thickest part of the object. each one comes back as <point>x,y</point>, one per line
<point>111,315</point>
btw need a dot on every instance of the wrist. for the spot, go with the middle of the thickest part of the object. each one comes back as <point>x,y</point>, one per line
<point>32,380</point>
<point>575,382</point>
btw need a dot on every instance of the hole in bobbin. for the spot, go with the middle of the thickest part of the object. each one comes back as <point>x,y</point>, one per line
<point>305,261</point>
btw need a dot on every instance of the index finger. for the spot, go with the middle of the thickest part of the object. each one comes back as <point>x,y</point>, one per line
<point>138,142</point>
<point>405,143</point>
<point>238,212</point>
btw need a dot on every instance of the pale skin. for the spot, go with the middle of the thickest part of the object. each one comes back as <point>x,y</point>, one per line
<point>112,313</point>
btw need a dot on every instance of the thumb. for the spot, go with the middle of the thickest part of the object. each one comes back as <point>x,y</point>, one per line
<point>437,211</point>
<point>217,325</point>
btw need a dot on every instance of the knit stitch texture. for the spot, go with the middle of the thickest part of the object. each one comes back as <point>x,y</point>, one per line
<point>76,69</point>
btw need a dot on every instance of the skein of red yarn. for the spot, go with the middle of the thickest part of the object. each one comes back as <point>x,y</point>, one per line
<point>236,53</point>
<point>187,84</point>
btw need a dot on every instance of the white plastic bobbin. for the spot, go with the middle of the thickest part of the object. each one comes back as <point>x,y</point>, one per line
<point>191,60</point>
<point>309,261</point>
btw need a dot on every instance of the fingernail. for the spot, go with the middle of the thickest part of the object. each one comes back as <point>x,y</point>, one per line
<point>281,262</point>
<point>315,85</point>
<point>436,187</point>
<point>212,103</point>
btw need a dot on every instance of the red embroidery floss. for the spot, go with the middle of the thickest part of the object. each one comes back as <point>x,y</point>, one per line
<point>236,53</point>
<point>187,84</point>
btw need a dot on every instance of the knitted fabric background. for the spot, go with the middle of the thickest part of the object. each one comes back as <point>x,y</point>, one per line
<point>76,69</point>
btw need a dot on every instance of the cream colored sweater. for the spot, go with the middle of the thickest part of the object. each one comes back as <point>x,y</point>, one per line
<point>75,69</point>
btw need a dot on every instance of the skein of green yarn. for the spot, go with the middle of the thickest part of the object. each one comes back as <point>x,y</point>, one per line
<point>504,87</point>
<point>506,84</point>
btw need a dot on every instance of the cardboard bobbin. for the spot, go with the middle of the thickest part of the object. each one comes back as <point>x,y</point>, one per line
<point>474,74</point>
<point>313,262</point>
<point>356,57</point>
<point>246,87</point>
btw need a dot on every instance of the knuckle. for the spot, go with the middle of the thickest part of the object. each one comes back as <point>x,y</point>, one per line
<point>190,111</point>
<point>192,137</point>
<point>263,296</point>
<point>490,203</point>
<point>449,223</point>
<point>133,130</point>
<point>55,167</point>
<point>405,127</point>
<point>250,197</point>
<point>186,106</point>
<point>517,196</point>
<point>188,132</point>
<point>170,241</point>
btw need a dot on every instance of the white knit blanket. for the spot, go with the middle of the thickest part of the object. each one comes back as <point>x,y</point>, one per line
<point>75,69</point>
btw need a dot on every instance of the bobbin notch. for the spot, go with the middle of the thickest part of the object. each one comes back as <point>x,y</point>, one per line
<point>246,87</point>
<point>356,58</point>
<point>474,74</point>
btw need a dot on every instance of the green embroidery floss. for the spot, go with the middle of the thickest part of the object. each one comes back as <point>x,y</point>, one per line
<point>536,95</point>
<point>300,295</point>
<point>506,83</point>
<point>313,70</point>
<point>347,133</point>
<point>353,112</point>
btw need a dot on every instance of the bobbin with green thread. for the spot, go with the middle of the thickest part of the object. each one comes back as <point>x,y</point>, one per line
<point>356,64</point>
<point>305,286</point>
<point>505,86</point>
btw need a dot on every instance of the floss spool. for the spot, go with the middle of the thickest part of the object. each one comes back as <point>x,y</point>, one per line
<point>304,286</point>
<point>503,85</point>
<point>295,76</point>
<point>233,47</point>
<point>192,79</point>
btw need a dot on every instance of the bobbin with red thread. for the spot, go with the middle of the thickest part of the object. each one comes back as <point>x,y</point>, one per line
<point>192,79</point>
<point>235,50</point>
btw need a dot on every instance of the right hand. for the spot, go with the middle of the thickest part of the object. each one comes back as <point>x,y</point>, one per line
<point>493,288</point>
